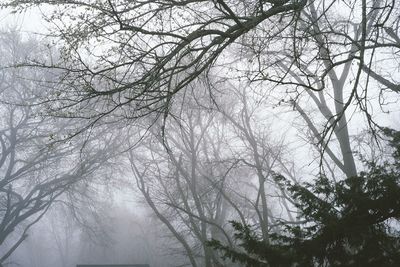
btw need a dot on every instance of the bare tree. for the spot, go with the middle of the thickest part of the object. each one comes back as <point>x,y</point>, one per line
<point>203,167</point>
<point>36,168</point>
<point>182,183</point>
<point>262,156</point>
<point>146,51</point>
<point>318,66</point>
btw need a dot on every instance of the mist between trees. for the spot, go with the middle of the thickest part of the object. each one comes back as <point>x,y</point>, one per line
<point>200,133</point>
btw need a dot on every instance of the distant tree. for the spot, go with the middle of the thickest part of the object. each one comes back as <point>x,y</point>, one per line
<point>353,222</point>
<point>183,178</point>
<point>36,166</point>
<point>192,175</point>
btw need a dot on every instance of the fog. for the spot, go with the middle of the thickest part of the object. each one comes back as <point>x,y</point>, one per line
<point>199,133</point>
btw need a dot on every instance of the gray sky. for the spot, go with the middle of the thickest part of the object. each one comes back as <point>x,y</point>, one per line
<point>29,21</point>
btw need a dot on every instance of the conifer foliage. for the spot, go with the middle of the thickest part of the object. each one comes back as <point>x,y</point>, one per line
<point>353,222</point>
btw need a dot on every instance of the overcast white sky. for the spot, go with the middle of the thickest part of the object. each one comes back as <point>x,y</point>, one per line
<point>29,21</point>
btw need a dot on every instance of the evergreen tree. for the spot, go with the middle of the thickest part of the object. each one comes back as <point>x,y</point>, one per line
<point>353,222</point>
